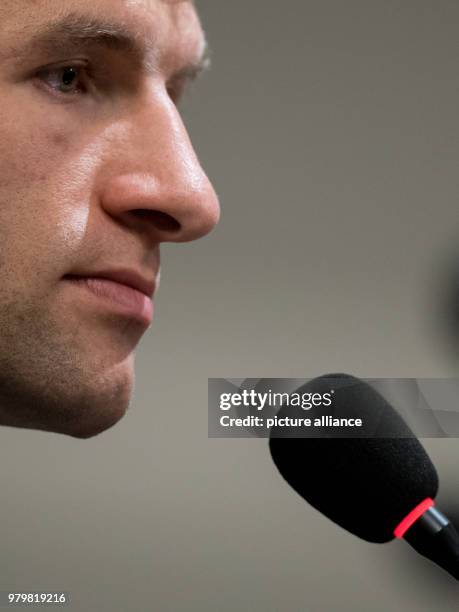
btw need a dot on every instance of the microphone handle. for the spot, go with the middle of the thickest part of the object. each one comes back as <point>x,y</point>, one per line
<point>435,537</point>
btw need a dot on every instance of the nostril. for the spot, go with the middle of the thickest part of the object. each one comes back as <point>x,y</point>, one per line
<point>160,220</point>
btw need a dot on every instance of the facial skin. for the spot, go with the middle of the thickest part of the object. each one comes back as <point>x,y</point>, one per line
<point>96,171</point>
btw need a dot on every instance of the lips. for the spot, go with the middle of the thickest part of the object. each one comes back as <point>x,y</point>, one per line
<point>130,278</point>
<point>125,291</point>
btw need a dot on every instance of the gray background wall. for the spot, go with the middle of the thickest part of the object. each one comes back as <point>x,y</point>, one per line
<point>330,130</point>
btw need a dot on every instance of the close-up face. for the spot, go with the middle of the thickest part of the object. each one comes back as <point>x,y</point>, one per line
<point>97,170</point>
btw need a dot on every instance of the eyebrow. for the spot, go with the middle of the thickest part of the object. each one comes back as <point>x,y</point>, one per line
<point>77,30</point>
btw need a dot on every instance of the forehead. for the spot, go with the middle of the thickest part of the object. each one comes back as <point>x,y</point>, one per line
<point>168,31</point>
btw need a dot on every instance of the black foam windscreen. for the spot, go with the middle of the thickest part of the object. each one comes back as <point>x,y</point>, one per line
<point>365,484</point>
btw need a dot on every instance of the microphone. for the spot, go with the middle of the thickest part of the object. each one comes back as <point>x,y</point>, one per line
<point>378,488</point>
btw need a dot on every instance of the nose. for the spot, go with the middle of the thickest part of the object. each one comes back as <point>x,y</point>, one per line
<point>154,182</point>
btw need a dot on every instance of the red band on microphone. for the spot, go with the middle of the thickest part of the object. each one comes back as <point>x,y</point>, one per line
<point>412,517</point>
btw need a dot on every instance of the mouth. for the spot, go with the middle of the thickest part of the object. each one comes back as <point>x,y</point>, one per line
<point>118,296</point>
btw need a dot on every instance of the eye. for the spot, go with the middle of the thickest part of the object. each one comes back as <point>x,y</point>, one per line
<point>66,80</point>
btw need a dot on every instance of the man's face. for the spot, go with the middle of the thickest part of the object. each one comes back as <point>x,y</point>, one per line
<point>96,171</point>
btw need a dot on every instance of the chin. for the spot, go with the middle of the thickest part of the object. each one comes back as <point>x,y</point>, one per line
<point>81,427</point>
<point>92,420</point>
<point>82,417</point>
<point>88,424</point>
<point>78,403</point>
<point>90,430</point>
<point>98,407</point>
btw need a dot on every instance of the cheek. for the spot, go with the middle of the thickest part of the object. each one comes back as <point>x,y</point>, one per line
<point>45,194</point>
<point>33,139</point>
